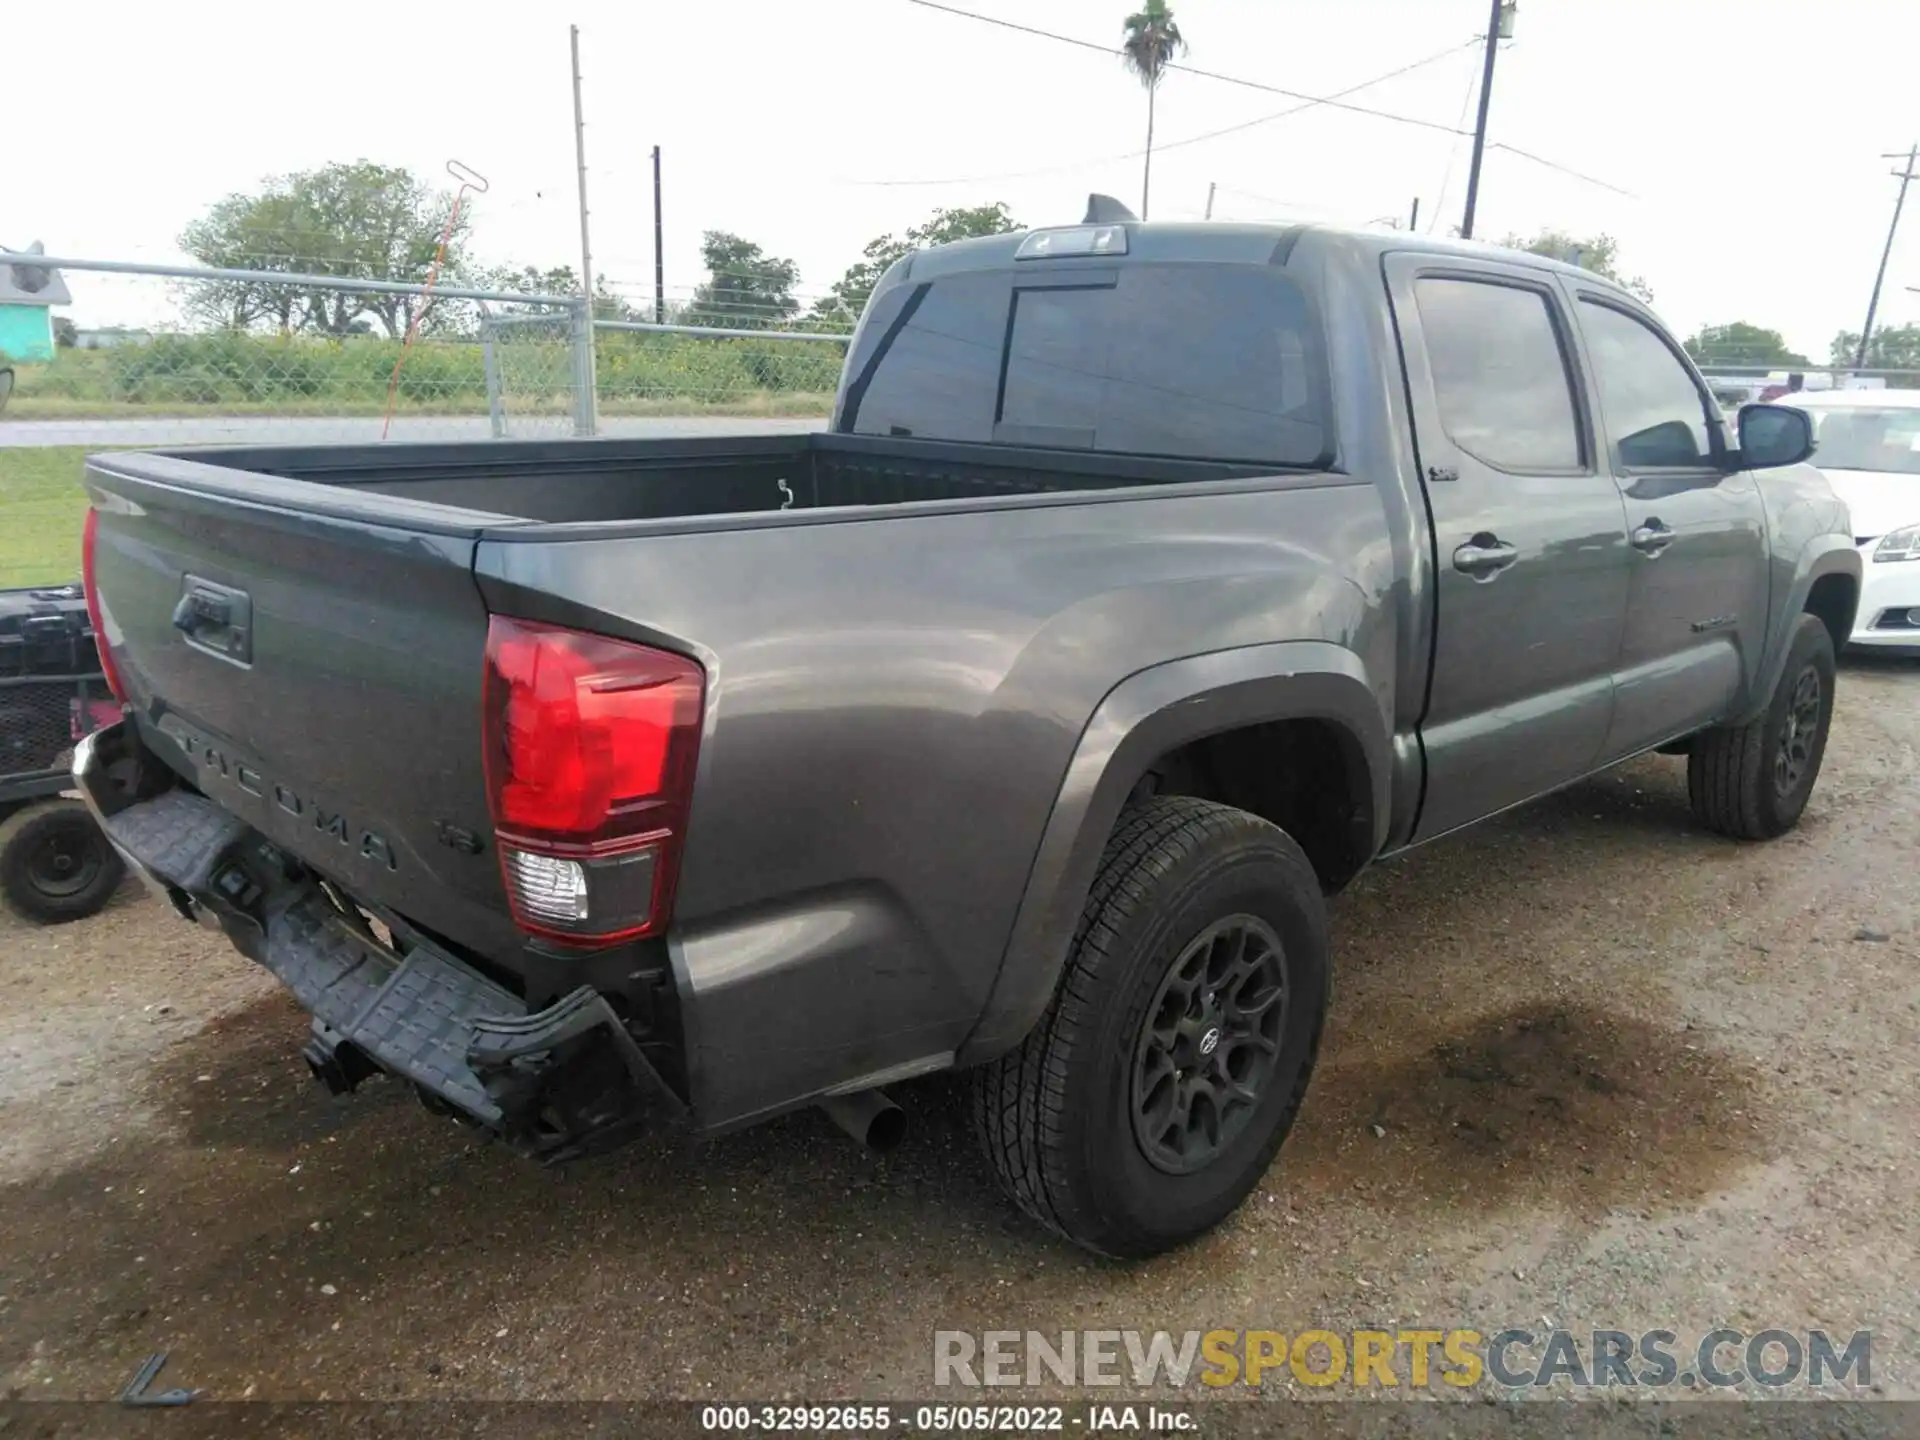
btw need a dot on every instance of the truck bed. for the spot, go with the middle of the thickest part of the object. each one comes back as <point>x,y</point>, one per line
<point>572,481</point>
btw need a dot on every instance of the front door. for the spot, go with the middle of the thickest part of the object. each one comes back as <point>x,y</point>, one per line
<point>1699,600</point>
<point>1529,534</point>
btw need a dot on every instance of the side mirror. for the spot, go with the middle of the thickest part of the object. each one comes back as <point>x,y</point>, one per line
<point>1774,435</point>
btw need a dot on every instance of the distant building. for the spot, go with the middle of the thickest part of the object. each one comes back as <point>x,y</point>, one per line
<point>28,294</point>
<point>109,336</point>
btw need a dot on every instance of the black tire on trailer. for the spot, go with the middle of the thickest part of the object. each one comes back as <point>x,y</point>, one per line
<point>55,864</point>
<point>1753,781</point>
<point>1150,1098</point>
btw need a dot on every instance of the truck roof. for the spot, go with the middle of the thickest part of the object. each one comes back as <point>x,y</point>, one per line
<point>1235,241</point>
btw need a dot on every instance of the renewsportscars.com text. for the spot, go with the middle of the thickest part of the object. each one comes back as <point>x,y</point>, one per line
<point>1403,1358</point>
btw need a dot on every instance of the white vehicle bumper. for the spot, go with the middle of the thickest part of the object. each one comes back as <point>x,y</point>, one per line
<point>1889,616</point>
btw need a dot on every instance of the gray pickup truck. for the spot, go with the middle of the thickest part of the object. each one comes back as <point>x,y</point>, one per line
<point>1149,582</point>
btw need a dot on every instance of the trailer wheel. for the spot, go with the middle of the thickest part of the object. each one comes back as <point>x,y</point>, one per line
<point>55,865</point>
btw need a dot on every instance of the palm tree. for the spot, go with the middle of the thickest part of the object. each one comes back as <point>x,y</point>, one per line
<point>1153,40</point>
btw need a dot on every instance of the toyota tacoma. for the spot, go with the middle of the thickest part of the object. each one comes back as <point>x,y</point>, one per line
<point>1148,583</point>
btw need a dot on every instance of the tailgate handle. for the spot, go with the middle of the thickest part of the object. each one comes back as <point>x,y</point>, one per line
<point>215,618</point>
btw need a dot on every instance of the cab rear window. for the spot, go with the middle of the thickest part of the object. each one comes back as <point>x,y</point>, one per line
<point>1207,362</point>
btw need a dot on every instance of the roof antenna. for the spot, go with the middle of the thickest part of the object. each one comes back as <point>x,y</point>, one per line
<point>1105,210</point>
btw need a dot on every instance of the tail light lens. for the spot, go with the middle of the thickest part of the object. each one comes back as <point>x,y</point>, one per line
<point>590,748</point>
<point>89,537</point>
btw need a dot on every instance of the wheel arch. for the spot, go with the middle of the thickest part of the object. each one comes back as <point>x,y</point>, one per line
<point>1157,713</point>
<point>1825,582</point>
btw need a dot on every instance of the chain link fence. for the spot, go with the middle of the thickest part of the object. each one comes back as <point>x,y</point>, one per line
<point>207,356</point>
<point>186,356</point>
<point>529,363</point>
<point>647,369</point>
<point>203,356</point>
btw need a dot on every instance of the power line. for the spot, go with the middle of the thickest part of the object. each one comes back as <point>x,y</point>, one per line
<point>1563,169</point>
<point>1437,56</point>
<point>1171,144</point>
<point>1329,100</point>
<point>1293,205</point>
<point>1332,101</point>
<point>1453,150</point>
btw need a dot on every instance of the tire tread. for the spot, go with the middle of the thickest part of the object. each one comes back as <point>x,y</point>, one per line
<point>1018,1102</point>
<point>1727,769</point>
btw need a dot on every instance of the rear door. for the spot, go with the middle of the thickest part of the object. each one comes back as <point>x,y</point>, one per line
<point>1698,603</point>
<point>1529,533</point>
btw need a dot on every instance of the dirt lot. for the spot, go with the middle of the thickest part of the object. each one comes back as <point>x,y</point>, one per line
<point>1588,1066</point>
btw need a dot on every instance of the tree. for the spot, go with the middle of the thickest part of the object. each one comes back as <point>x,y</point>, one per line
<point>1739,343</point>
<point>1892,348</point>
<point>848,296</point>
<point>66,334</point>
<point>245,232</point>
<point>745,288</point>
<point>555,280</point>
<point>1152,41</point>
<point>367,221</point>
<point>1598,253</point>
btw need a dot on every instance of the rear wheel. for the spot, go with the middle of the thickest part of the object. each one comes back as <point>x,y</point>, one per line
<point>55,865</point>
<point>1753,781</point>
<point>1151,1097</point>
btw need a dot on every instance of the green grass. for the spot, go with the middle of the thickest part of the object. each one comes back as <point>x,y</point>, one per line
<point>242,374</point>
<point>41,509</point>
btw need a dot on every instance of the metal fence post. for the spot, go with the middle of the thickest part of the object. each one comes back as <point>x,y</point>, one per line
<point>490,363</point>
<point>585,401</point>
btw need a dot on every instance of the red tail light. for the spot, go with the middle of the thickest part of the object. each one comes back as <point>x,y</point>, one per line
<point>89,533</point>
<point>590,746</point>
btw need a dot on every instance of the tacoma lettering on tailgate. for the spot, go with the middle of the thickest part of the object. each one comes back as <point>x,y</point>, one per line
<point>216,762</point>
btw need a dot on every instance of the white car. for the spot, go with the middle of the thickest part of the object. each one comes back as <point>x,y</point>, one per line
<point>1869,447</point>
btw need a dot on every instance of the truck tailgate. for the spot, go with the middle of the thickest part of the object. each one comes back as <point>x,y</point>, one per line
<point>312,661</point>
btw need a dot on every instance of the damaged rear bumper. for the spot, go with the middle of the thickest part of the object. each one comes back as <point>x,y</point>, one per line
<point>556,1083</point>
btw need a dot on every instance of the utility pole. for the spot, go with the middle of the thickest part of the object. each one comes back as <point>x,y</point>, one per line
<point>1495,20</point>
<point>1413,220</point>
<point>659,259</point>
<point>1212,185</point>
<point>1906,177</point>
<point>583,342</point>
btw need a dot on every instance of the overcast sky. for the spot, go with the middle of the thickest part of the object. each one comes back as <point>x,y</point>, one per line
<point>1747,136</point>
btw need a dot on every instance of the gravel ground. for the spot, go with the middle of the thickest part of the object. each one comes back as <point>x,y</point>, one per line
<point>1588,1066</point>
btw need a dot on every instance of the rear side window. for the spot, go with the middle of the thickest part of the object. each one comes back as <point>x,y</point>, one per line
<point>1499,373</point>
<point>1188,361</point>
<point>939,354</point>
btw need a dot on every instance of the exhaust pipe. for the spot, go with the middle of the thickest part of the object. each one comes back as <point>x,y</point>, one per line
<point>335,1061</point>
<point>869,1117</point>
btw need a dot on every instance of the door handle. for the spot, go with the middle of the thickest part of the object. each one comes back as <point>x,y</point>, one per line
<point>216,618</point>
<point>199,611</point>
<point>1651,538</point>
<point>1484,556</point>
